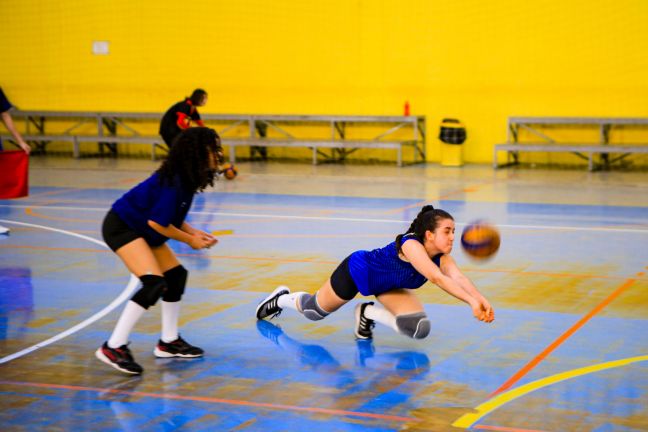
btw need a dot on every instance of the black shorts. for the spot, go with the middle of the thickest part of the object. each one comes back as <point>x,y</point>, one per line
<point>342,282</point>
<point>116,233</point>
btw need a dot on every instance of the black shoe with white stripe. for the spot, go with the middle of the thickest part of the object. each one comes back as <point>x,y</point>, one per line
<point>269,307</point>
<point>363,325</point>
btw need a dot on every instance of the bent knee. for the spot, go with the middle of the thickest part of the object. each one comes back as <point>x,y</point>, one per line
<point>415,325</point>
<point>310,308</point>
<point>153,286</point>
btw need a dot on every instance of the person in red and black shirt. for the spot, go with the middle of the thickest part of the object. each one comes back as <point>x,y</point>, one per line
<point>180,115</point>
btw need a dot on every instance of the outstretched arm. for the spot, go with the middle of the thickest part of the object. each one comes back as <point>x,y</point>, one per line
<point>8,121</point>
<point>418,257</point>
<point>450,268</point>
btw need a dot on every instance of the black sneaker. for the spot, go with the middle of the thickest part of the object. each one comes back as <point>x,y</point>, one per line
<point>177,348</point>
<point>363,325</point>
<point>269,307</point>
<point>119,358</point>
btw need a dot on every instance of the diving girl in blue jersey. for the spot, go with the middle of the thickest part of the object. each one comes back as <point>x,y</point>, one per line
<point>390,274</point>
<point>137,228</point>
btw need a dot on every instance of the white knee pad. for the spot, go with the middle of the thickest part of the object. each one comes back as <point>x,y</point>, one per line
<point>415,325</point>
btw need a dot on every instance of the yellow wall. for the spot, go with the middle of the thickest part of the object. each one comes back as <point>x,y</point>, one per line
<point>474,60</point>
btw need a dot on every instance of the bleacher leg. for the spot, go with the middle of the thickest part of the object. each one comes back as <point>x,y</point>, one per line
<point>75,148</point>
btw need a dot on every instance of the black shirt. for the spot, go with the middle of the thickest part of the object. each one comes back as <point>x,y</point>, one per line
<point>169,127</point>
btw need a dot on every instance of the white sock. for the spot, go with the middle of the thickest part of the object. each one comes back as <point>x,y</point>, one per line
<point>129,317</point>
<point>290,300</point>
<point>381,315</point>
<point>170,314</point>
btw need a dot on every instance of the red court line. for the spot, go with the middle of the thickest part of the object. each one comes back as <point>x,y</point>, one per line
<point>32,213</point>
<point>555,344</point>
<point>214,400</point>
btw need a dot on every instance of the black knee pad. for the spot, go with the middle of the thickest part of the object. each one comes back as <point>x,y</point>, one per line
<point>415,325</point>
<point>310,308</point>
<point>153,286</point>
<point>176,280</point>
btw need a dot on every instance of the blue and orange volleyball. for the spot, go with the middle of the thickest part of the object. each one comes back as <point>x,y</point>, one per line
<point>480,240</point>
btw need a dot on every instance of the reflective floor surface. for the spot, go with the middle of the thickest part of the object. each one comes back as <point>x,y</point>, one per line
<point>568,350</point>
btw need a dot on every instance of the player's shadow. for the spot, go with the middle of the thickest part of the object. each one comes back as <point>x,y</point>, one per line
<point>121,390</point>
<point>16,301</point>
<point>317,356</point>
<point>312,355</point>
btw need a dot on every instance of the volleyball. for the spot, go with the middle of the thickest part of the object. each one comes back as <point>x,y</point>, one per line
<point>229,171</point>
<point>480,240</point>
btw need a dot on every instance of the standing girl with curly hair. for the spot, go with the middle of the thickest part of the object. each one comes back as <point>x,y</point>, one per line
<point>390,273</point>
<point>137,228</point>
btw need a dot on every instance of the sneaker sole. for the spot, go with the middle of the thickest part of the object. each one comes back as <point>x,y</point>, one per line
<point>265,300</point>
<point>357,324</point>
<point>101,356</point>
<point>163,354</point>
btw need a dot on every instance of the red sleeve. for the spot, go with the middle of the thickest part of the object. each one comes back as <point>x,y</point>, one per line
<point>184,121</point>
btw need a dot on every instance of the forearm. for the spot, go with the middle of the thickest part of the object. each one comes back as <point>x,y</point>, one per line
<point>453,288</point>
<point>187,228</point>
<point>8,121</point>
<point>468,287</point>
<point>171,232</point>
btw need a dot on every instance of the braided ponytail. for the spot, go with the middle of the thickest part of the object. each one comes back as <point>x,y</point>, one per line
<point>426,220</point>
<point>413,229</point>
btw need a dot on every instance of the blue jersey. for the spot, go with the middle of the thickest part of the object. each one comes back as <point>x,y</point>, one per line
<point>166,204</point>
<point>381,270</point>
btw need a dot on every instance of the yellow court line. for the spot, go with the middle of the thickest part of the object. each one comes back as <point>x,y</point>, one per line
<point>469,419</point>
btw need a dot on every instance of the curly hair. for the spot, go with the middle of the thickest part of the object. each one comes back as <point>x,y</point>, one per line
<point>189,159</point>
<point>426,220</point>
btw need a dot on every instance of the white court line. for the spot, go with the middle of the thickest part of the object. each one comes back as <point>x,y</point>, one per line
<point>130,287</point>
<point>361,220</point>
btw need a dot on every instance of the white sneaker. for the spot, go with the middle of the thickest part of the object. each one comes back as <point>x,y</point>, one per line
<point>4,230</point>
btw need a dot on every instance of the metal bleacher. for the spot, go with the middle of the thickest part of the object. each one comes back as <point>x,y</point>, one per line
<point>609,151</point>
<point>328,137</point>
